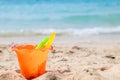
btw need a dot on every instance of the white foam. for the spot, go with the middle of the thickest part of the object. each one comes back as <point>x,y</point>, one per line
<point>67,31</point>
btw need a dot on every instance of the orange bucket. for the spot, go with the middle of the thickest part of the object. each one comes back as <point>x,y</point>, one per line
<point>32,61</point>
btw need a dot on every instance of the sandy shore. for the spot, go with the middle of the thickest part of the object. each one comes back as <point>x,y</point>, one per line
<point>70,60</point>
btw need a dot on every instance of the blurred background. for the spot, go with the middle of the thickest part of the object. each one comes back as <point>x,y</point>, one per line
<point>65,17</point>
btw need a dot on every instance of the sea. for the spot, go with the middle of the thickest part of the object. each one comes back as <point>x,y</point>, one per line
<point>65,17</point>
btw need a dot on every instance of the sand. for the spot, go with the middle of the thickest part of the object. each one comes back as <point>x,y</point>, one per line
<point>70,60</point>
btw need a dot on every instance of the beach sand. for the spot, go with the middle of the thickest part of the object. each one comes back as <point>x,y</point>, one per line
<point>70,60</point>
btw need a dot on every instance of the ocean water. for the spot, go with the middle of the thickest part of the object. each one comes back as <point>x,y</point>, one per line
<point>65,17</point>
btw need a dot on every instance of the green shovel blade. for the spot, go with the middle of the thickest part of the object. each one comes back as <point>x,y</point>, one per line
<point>42,43</point>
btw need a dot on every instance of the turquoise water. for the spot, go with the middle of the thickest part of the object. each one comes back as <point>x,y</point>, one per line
<point>64,16</point>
